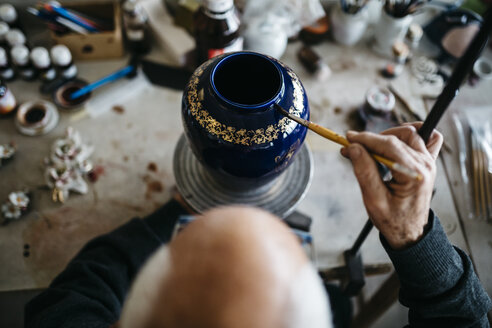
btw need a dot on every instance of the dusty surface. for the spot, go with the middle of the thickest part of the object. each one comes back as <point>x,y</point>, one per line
<point>135,151</point>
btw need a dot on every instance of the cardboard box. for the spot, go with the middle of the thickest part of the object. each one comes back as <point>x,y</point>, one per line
<point>103,45</point>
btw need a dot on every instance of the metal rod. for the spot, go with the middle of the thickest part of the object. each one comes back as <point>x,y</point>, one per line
<point>362,237</point>
<point>460,72</point>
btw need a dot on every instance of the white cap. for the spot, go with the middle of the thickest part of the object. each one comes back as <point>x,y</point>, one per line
<point>40,57</point>
<point>8,13</point>
<point>20,54</point>
<point>61,55</point>
<point>218,6</point>
<point>3,57</point>
<point>129,6</point>
<point>15,37</point>
<point>4,28</point>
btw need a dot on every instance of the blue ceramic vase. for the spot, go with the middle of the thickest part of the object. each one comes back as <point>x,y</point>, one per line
<point>230,121</point>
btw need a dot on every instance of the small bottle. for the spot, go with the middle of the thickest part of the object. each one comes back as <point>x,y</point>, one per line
<point>8,14</point>
<point>4,29</point>
<point>63,62</point>
<point>40,58</point>
<point>216,29</point>
<point>7,72</point>
<point>7,100</point>
<point>20,57</point>
<point>136,24</point>
<point>413,37</point>
<point>15,37</point>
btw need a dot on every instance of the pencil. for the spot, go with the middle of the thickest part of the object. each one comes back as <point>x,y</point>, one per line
<point>333,136</point>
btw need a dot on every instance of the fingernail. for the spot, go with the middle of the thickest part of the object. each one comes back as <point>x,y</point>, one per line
<point>351,134</point>
<point>354,152</point>
<point>343,151</point>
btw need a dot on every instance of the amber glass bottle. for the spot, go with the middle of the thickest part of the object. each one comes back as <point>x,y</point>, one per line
<point>216,29</point>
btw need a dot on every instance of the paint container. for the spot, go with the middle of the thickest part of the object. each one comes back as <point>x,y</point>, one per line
<point>63,61</point>
<point>36,117</point>
<point>380,101</point>
<point>22,62</point>
<point>40,58</point>
<point>8,14</point>
<point>483,68</point>
<point>7,100</point>
<point>15,37</point>
<point>61,96</point>
<point>4,29</point>
<point>7,72</point>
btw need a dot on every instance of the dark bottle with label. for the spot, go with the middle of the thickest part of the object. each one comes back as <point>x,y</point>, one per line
<point>40,58</point>
<point>136,24</point>
<point>216,29</point>
<point>20,57</point>
<point>62,60</point>
<point>7,72</point>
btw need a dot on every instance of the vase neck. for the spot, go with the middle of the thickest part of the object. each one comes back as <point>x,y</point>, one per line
<point>246,81</point>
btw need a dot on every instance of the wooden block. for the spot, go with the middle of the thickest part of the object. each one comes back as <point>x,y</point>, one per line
<point>103,45</point>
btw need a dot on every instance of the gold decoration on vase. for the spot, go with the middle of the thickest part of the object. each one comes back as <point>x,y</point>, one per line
<point>242,136</point>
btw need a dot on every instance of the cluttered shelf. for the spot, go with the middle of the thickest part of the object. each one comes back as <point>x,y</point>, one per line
<point>125,133</point>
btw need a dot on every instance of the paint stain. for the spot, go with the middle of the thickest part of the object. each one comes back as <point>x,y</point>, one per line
<point>126,205</point>
<point>115,144</point>
<point>118,109</point>
<point>57,235</point>
<point>343,65</point>
<point>338,110</point>
<point>152,167</point>
<point>96,172</point>
<point>155,186</point>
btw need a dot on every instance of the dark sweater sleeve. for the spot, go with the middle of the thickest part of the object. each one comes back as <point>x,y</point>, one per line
<point>438,283</point>
<point>91,290</point>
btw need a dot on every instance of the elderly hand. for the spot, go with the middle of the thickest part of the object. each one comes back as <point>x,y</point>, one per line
<point>399,208</point>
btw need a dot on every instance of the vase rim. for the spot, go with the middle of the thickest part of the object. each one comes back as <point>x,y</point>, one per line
<point>256,106</point>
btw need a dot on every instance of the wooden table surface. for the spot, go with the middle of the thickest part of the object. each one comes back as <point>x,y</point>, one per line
<point>147,131</point>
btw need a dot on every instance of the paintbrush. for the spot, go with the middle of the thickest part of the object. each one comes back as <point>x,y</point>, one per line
<point>333,136</point>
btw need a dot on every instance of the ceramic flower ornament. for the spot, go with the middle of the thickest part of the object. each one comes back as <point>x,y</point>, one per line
<point>68,164</point>
<point>17,204</point>
<point>7,151</point>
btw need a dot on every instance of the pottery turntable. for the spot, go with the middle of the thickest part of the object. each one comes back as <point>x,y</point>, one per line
<point>237,149</point>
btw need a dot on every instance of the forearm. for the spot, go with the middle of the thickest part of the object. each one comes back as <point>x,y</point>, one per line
<point>92,288</point>
<point>438,282</point>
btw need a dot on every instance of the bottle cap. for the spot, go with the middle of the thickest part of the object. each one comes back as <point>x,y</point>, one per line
<point>218,6</point>
<point>4,28</point>
<point>3,57</point>
<point>129,6</point>
<point>415,32</point>
<point>20,54</point>
<point>61,55</point>
<point>40,57</point>
<point>15,37</point>
<point>8,13</point>
<point>400,50</point>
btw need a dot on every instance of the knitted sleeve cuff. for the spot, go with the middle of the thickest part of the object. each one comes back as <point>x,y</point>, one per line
<point>163,220</point>
<point>426,262</point>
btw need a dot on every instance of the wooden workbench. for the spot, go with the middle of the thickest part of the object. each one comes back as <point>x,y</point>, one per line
<point>146,131</point>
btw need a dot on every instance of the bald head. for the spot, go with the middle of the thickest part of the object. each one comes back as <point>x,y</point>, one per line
<point>232,267</point>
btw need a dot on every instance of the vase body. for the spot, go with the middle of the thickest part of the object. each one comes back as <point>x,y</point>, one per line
<point>230,121</point>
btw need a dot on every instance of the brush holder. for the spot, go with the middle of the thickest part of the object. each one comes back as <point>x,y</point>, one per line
<point>230,121</point>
